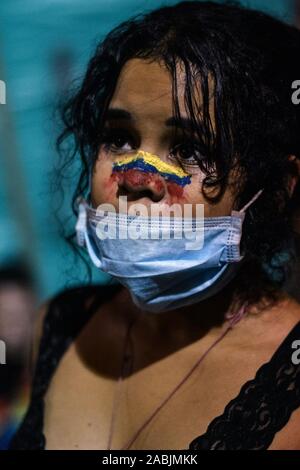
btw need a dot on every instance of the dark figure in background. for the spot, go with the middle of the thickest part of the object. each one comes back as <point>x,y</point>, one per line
<point>17,308</point>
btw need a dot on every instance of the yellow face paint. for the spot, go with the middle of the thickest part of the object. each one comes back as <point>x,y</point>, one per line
<point>149,163</point>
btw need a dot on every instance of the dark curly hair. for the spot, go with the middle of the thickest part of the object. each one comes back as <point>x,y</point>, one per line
<point>252,59</point>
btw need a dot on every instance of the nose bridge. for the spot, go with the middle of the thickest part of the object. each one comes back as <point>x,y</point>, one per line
<point>156,149</point>
<point>156,146</point>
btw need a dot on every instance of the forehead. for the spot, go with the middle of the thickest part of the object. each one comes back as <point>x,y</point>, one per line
<point>145,86</point>
<point>145,89</point>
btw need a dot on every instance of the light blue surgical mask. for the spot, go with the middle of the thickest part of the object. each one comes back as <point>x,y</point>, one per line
<point>162,274</point>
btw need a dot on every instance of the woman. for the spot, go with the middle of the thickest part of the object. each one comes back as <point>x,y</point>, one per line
<point>187,105</point>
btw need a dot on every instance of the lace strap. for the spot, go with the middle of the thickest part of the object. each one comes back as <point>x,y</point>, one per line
<point>263,406</point>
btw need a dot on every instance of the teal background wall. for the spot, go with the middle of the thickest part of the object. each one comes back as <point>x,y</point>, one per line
<point>43,45</point>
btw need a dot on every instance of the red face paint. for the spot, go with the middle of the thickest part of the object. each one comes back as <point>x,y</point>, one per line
<point>176,193</point>
<point>175,190</point>
<point>138,180</point>
<point>110,186</point>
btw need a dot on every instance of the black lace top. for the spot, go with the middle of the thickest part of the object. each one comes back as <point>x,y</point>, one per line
<point>250,421</point>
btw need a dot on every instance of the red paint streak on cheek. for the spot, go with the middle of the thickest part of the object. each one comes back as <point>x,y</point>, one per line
<point>175,190</point>
<point>109,185</point>
<point>114,177</point>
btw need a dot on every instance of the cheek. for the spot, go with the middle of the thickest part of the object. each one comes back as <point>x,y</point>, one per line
<point>103,184</point>
<point>176,193</point>
<point>188,194</point>
<point>194,195</point>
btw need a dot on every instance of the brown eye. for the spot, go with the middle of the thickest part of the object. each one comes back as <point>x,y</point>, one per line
<point>188,153</point>
<point>117,141</point>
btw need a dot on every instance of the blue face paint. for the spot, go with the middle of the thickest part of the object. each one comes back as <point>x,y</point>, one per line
<point>149,163</point>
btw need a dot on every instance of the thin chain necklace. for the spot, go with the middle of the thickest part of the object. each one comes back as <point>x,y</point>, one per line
<point>233,319</point>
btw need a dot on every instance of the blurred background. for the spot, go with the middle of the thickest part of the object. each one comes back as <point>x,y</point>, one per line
<point>44,47</point>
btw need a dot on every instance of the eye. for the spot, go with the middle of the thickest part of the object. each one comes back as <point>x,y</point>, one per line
<point>188,153</point>
<point>117,141</point>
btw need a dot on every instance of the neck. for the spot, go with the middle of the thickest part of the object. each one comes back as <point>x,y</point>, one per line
<point>196,319</point>
<point>185,324</point>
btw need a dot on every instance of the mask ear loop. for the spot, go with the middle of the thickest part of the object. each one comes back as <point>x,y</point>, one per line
<point>251,201</point>
<point>81,222</point>
<point>235,317</point>
<point>242,212</point>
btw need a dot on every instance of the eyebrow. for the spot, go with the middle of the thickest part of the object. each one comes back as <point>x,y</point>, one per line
<point>182,123</point>
<point>122,114</point>
<point>118,113</point>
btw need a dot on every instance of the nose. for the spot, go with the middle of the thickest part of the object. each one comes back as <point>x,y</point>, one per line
<point>136,184</point>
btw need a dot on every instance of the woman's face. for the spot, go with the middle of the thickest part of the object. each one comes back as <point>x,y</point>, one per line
<point>140,117</point>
